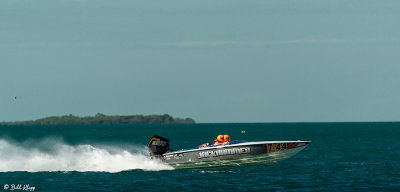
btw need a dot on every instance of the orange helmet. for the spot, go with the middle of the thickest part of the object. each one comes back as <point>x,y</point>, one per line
<point>226,138</point>
<point>220,138</point>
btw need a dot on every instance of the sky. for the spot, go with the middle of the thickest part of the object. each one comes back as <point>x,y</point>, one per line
<point>213,61</point>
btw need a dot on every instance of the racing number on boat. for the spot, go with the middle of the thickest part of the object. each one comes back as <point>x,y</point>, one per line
<point>274,147</point>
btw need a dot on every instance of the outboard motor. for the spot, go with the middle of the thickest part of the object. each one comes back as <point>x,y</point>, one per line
<point>158,146</point>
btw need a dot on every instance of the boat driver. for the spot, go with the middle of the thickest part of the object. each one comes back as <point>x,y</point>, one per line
<point>222,140</point>
<point>219,140</point>
<point>227,140</point>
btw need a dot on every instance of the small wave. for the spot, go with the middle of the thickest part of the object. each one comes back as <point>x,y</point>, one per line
<point>55,155</point>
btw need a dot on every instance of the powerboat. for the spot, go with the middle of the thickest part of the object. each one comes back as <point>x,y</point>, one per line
<point>228,154</point>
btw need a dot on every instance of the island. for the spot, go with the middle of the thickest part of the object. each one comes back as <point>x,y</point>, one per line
<point>100,118</point>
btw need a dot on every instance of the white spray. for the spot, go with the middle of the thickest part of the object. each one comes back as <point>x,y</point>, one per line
<point>55,155</point>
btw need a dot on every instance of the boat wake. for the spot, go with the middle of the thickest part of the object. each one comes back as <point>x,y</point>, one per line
<point>55,155</point>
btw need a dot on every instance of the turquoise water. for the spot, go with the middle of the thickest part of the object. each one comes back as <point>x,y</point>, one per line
<point>342,157</point>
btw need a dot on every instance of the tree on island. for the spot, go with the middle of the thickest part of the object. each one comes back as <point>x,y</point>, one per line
<point>100,118</point>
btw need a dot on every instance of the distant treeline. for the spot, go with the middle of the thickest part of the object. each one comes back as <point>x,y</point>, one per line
<point>104,119</point>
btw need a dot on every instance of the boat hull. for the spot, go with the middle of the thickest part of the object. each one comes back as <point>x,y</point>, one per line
<point>235,154</point>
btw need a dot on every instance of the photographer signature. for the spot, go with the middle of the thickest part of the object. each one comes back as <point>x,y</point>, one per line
<point>19,187</point>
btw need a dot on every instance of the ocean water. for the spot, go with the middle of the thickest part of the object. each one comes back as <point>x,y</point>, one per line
<point>342,157</point>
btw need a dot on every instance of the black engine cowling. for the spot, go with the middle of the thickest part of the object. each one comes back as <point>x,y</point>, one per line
<point>158,145</point>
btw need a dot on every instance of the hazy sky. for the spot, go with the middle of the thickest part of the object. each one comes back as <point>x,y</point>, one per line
<point>212,60</point>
